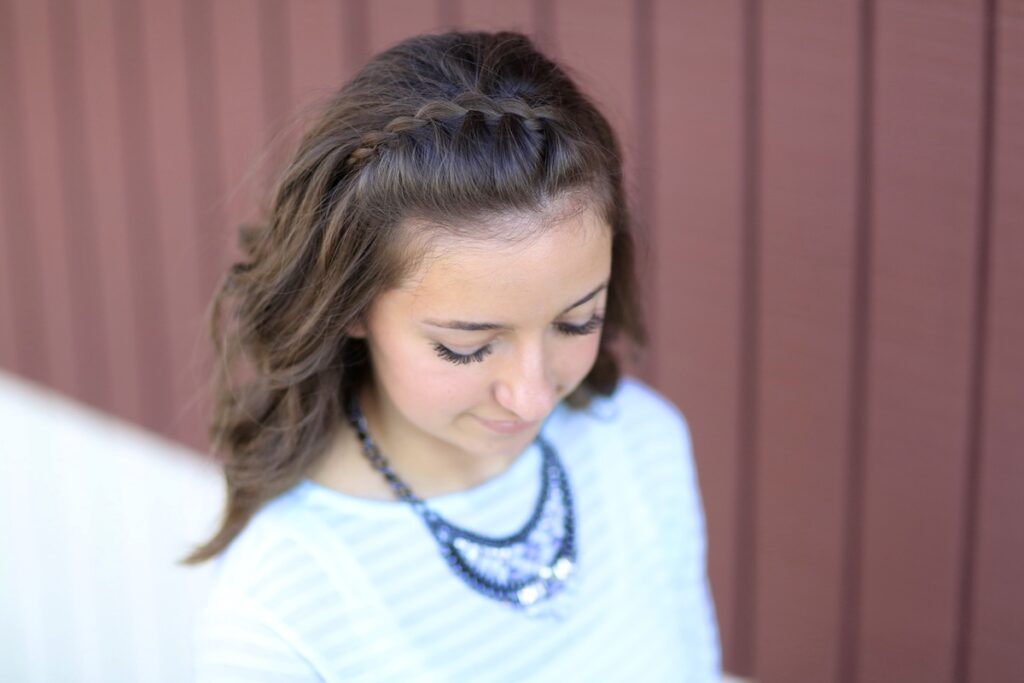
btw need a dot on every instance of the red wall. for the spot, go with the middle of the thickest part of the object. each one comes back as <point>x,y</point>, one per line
<point>834,268</point>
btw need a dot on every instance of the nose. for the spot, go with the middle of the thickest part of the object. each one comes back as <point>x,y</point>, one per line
<point>526,388</point>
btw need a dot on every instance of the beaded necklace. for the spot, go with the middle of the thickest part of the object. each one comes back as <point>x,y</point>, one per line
<point>524,570</point>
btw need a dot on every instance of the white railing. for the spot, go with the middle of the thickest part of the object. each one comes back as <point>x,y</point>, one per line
<point>93,514</point>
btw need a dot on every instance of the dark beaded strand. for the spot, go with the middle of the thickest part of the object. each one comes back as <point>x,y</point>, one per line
<point>521,591</point>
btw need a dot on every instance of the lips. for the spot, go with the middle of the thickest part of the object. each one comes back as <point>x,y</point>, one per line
<point>504,426</point>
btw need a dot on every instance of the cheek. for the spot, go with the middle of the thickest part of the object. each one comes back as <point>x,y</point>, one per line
<point>577,358</point>
<point>420,383</point>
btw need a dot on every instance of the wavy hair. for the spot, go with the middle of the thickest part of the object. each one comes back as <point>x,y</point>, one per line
<point>441,132</point>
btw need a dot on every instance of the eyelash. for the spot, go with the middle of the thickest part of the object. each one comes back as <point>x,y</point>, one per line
<point>447,354</point>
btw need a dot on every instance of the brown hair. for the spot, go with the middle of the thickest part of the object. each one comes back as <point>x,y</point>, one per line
<point>439,128</point>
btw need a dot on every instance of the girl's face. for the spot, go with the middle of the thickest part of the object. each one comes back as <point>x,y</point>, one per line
<point>471,355</point>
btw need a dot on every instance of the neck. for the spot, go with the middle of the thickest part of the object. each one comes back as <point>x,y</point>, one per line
<point>428,466</point>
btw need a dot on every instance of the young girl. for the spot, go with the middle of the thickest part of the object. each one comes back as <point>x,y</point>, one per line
<point>434,471</point>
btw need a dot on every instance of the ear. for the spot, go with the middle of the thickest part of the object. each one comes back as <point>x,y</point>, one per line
<point>357,330</point>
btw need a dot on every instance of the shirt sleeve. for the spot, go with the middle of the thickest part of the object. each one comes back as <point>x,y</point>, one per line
<point>661,435</point>
<point>701,622</point>
<point>237,640</point>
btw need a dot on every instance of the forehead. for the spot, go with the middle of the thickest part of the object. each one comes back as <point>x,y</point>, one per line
<point>547,261</point>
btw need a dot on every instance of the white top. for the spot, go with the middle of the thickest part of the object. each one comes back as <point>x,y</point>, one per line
<point>323,586</point>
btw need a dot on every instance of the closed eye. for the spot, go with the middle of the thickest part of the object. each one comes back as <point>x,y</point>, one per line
<point>586,328</point>
<point>462,359</point>
<point>447,354</point>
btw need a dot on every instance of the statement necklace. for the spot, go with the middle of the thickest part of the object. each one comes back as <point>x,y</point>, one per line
<point>525,570</point>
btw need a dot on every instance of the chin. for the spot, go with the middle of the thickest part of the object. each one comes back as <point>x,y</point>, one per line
<point>511,444</point>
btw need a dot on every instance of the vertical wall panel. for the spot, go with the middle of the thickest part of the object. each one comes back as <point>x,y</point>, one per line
<point>355,26</point>
<point>105,181</point>
<point>275,47</point>
<point>35,71</point>
<point>19,285</point>
<point>927,118</point>
<point>242,121</point>
<point>391,21</point>
<point>147,233</point>
<point>809,155</point>
<point>321,58</point>
<point>165,45</point>
<point>88,315</point>
<point>251,78</point>
<point>997,620</point>
<point>318,59</point>
<point>696,265</point>
<point>23,238</point>
<point>497,15</point>
<point>595,41</point>
<point>207,176</point>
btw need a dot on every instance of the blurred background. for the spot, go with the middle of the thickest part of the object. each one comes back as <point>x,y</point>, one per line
<point>830,198</point>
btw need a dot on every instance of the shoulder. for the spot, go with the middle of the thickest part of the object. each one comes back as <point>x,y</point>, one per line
<point>271,546</point>
<point>641,414</point>
<point>278,562</point>
<point>647,432</point>
<point>247,624</point>
<point>643,400</point>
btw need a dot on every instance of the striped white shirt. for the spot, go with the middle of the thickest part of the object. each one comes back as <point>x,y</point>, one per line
<point>322,586</point>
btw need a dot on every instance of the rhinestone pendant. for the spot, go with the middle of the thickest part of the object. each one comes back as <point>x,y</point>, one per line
<point>530,569</point>
<point>549,583</point>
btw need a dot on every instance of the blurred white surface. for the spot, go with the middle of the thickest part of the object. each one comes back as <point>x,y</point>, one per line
<point>93,514</point>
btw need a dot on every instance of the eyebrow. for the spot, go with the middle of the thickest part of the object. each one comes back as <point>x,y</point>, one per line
<point>477,327</point>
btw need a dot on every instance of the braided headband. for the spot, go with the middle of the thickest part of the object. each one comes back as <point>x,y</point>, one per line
<point>436,111</point>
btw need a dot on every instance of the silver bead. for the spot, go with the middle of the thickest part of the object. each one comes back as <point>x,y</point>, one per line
<point>562,568</point>
<point>530,593</point>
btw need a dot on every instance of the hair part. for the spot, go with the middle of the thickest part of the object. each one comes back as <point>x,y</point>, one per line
<point>450,136</point>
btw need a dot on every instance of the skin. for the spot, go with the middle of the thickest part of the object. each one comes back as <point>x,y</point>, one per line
<point>422,410</point>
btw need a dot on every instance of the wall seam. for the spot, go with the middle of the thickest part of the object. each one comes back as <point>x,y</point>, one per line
<point>976,406</point>
<point>749,345</point>
<point>851,580</point>
<point>645,154</point>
